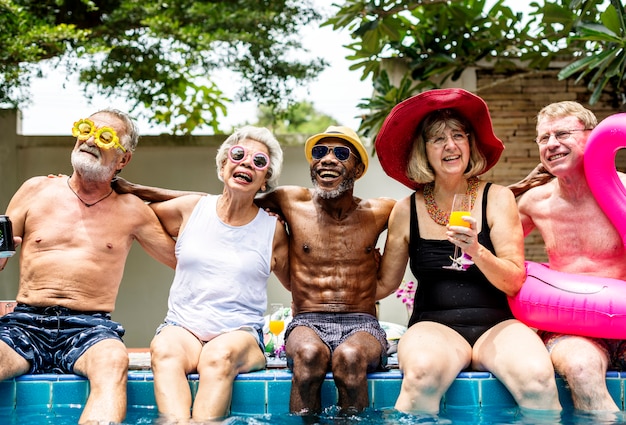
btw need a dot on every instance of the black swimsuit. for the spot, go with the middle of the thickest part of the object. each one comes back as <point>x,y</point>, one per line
<point>463,300</point>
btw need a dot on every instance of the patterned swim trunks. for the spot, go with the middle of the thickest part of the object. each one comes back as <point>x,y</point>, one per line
<point>53,338</point>
<point>334,328</point>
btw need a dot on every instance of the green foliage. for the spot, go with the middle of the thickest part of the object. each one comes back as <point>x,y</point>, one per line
<point>161,55</point>
<point>604,63</point>
<point>434,41</point>
<point>299,118</point>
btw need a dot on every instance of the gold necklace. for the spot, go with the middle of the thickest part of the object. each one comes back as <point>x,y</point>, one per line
<point>81,199</point>
<point>438,215</point>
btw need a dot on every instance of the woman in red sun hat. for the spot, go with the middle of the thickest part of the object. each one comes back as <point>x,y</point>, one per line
<point>438,143</point>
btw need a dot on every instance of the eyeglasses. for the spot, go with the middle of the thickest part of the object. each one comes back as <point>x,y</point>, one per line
<point>560,136</point>
<point>105,137</point>
<point>342,153</point>
<point>238,153</point>
<point>441,141</point>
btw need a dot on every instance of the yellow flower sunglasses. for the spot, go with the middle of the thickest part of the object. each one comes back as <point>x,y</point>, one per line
<point>105,137</point>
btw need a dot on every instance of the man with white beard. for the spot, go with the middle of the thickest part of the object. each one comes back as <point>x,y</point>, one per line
<point>333,265</point>
<point>75,235</point>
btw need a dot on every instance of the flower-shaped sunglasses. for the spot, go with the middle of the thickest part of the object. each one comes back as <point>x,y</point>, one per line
<point>105,137</point>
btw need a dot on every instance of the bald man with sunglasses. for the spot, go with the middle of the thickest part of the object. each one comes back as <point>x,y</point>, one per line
<point>75,234</point>
<point>333,265</point>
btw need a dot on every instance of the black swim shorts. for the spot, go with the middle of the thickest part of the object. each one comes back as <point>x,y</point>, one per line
<point>53,338</point>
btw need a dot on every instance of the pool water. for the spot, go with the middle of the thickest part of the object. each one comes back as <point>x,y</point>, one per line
<point>456,416</point>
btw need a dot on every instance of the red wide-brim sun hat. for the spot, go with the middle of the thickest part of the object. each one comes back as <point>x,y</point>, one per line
<point>396,136</point>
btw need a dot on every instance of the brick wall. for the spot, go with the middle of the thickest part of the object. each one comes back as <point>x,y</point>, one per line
<point>514,102</point>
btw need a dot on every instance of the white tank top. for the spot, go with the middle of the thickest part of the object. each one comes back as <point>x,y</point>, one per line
<point>221,277</point>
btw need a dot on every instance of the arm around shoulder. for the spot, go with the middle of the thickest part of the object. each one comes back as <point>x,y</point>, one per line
<point>280,255</point>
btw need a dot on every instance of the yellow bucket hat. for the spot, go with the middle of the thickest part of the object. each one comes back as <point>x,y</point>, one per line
<point>340,132</point>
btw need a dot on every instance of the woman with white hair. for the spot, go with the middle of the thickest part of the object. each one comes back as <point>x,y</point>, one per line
<point>226,249</point>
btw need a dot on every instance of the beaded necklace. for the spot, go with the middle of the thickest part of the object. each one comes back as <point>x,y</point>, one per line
<point>438,215</point>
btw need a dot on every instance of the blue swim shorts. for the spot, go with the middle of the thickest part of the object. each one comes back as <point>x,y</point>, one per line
<point>53,338</point>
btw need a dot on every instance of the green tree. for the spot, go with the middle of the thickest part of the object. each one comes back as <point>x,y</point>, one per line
<point>159,54</point>
<point>299,118</point>
<point>436,40</point>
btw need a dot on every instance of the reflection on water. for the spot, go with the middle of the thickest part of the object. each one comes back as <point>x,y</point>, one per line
<point>69,416</point>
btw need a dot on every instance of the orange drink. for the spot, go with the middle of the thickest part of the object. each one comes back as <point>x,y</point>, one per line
<point>457,220</point>
<point>276,326</point>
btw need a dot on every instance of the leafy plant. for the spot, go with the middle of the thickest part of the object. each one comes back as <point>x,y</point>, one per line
<point>160,55</point>
<point>436,41</point>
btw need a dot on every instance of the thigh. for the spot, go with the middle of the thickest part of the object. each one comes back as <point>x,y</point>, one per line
<point>102,359</point>
<point>567,350</point>
<point>362,345</point>
<point>11,363</point>
<point>306,345</point>
<point>510,345</point>
<point>175,343</point>
<point>238,349</point>
<point>429,345</point>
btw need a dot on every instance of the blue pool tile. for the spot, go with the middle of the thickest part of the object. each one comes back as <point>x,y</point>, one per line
<point>70,392</point>
<point>140,376</point>
<point>385,393</point>
<point>329,393</point>
<point>33,394</point>
<point>494,394</point>
<point>249,397</point>
<point>140,394</point>
<point>265,375</point>
<point>7,391</point>
<point>278,394</point>
<point>614,386</point>
<point>462,393</point>
<point>565,397</point>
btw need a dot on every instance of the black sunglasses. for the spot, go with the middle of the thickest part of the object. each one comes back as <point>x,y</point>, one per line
<point>342,153</point>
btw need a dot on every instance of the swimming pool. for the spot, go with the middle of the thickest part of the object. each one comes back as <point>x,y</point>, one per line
<point>263,397</point>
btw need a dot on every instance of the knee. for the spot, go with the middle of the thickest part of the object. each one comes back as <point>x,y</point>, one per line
<point>105,363</point>
<point>310,361</point>
<point>308,354</point>
<point>422,372</point>
<point>218,362</point>
<point>160,352</point>
<point>348,359</point>
<point>578,368</point>
<point>537,381</point>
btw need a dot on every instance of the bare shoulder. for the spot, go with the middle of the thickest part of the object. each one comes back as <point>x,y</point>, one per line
<point>535,199</point>
<point>403,206</point>
<point>497,191</point>
<point>538,193</point>
<point>379,204</point>
<point>294,193</point>
<point>42,182</point>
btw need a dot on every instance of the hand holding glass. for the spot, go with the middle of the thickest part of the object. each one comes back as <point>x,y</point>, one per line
<point>461,206</point>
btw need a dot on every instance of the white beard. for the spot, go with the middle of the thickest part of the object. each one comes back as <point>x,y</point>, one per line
<point>343,187</point>
<point>90,169</point>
